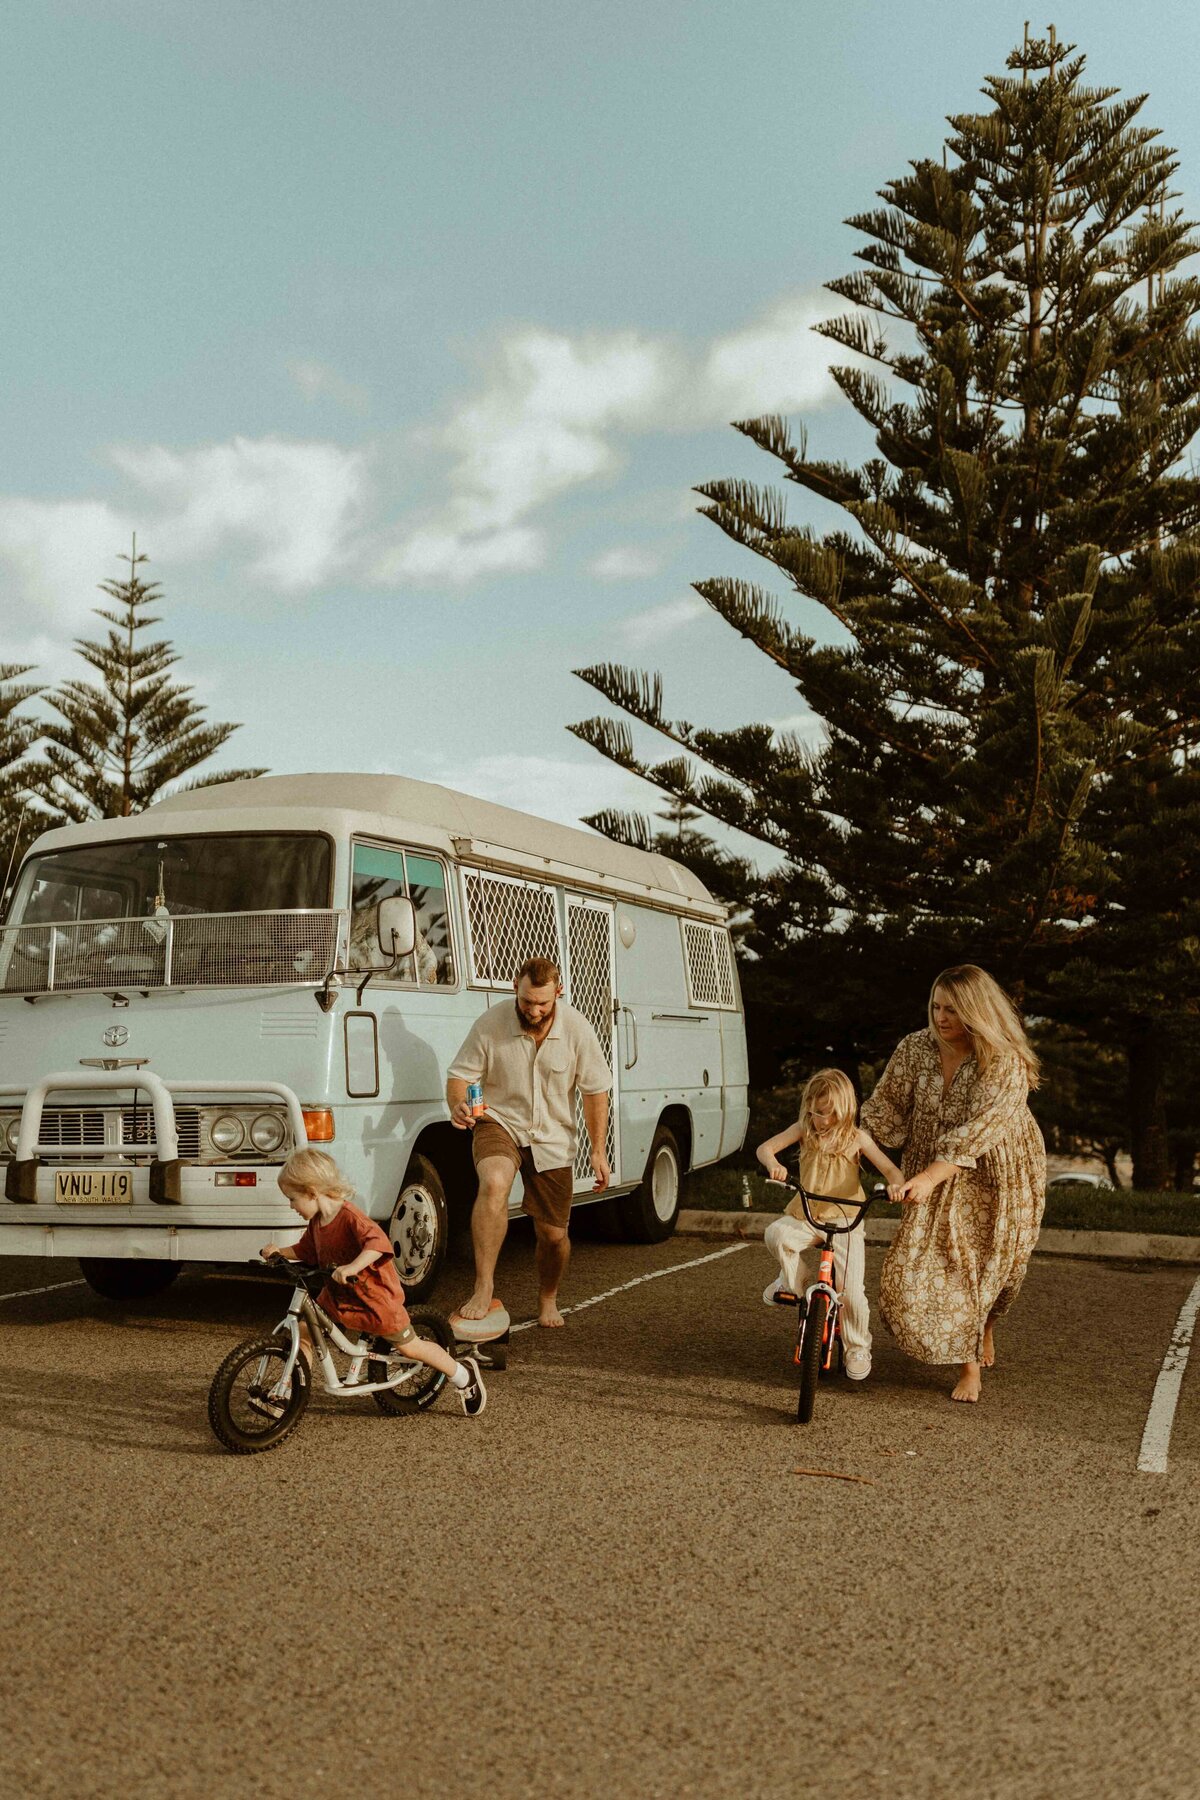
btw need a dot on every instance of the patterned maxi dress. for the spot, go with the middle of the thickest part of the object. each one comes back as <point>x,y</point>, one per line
<point>962,1254</point>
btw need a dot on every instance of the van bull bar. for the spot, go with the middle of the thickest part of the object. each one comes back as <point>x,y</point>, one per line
<point>20,1178</point>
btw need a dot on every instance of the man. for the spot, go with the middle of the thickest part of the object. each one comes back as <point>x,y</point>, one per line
<point>531,1058</point>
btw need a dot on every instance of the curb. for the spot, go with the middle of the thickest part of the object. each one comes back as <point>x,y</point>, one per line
<point>1097,1246</point>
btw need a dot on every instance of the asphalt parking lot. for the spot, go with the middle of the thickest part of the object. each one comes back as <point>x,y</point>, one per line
<point>613,1583</point>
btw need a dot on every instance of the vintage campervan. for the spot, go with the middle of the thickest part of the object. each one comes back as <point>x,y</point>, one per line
<point>186,994</point>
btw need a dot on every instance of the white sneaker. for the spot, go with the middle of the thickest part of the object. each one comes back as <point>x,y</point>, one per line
<point>857,1364</point>
<point>771,1289</point>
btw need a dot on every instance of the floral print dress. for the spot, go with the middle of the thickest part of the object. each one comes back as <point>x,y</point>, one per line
<point>961,1255</point>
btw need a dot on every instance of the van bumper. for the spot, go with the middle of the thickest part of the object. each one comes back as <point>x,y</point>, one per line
<point>163,1243</point>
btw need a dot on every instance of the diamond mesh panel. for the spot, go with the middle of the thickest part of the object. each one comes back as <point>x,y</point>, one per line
<point>507,921</point>
<point>709,964</point>
<point>200,950</point>
<point>589,948</point>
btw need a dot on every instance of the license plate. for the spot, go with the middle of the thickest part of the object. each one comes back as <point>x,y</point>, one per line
<point>93,1187</point>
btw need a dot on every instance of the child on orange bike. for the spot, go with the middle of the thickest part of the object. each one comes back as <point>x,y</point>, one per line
<point>338,1234</point>
<point>830,1141</point>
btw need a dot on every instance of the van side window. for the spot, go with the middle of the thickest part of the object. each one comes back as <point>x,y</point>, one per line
<point>381,875</point>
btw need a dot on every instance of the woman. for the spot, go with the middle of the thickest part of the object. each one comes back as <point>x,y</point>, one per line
<point>955,1096</point>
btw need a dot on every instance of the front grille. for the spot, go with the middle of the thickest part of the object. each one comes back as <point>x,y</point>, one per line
<point>67,1128</point>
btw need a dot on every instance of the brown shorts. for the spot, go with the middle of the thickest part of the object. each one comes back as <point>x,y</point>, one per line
<point>548,1192</point>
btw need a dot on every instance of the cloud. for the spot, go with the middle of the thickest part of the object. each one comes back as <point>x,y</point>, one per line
<point>658,622</point>
<point>547,786</point>
<point>291,504</point>
<point>555,413</point>
<point>54,554</point>
<point>626,562</point>
<point>317,381</point>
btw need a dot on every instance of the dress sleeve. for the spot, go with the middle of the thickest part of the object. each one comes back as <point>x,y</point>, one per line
<point>887,1115</point>
<point>471,1060</point>
<point>368,1235</point>
<point>996,1102</point>
<point>304,1250</point>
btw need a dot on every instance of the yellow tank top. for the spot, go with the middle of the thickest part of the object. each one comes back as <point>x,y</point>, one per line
<point>823,1172</point>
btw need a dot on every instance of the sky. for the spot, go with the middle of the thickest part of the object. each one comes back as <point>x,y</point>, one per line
<point>400,333</point>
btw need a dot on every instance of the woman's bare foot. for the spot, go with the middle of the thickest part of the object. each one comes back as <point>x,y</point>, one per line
<point>969,1383</point>
<point>548,1313</point>
<point>987,1356</point>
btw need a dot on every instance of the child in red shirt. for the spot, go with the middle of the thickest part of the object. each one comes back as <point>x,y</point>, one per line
<point>337,1232</point>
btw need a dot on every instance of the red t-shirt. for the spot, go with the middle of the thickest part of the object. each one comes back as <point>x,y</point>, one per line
<point>376,1301</point>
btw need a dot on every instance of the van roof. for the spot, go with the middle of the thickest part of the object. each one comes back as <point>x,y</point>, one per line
<point>395,806</point>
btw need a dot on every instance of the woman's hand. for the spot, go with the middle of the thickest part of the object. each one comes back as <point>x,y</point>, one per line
<point>919,1187</point>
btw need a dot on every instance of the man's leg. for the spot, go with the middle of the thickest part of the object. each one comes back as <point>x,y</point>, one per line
<point>489,1223</point>
<point>552,1256</point>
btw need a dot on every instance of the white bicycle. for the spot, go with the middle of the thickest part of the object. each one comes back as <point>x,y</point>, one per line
<point>261,1391</point>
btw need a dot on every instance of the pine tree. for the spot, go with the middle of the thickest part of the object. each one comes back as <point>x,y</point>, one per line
<point>1013,582</point>
<point>17,736</point>
<point>117,744</point>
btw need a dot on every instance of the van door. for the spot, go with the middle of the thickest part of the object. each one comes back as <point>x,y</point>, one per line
<point>591,990</point>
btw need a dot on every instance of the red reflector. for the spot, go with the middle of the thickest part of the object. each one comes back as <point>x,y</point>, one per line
<point>245,1178</point>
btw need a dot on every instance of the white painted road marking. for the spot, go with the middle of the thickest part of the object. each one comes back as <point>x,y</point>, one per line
<point>1156,1439</point>
<point>24,1293</point>
<point>653,1275</point>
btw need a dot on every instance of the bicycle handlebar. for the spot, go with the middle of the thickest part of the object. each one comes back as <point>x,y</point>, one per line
<point>861,1208</point>
<point>303,1272</point>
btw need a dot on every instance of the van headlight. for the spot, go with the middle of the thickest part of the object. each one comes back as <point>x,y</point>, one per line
<point>267,1133</point>
<point>227,1134</point>
<point>12,1131</point>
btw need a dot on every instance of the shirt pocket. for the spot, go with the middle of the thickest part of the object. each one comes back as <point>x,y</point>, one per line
<point>557,1062</point>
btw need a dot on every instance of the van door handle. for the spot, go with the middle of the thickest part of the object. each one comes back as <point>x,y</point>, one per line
<point>633,1032</point>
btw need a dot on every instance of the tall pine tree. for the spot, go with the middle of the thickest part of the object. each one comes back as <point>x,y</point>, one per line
<point>1014,582</point>
<point>119,743</point>
<point>17,736</point>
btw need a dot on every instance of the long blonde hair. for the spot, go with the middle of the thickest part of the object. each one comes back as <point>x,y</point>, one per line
<point>838,1091</point>
<point>989,1015</point>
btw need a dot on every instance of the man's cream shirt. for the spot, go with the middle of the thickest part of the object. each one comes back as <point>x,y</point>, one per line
<point>530,1088</point>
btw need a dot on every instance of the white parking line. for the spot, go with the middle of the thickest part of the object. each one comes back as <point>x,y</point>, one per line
<point>652,1275</point>
<point>1156,1439</point>
<point>24,1293</point>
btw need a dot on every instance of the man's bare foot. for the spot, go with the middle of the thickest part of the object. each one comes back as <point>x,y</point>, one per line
<point>477,1306</point>
<point>969,1383</point>
<point>987,1356</point>
<point>548,1313</point>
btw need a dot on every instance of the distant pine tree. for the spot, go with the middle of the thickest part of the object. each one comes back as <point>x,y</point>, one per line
<point>118,744</point>
<point>1012,589</point>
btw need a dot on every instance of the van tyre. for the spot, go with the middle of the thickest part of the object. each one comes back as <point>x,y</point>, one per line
<point>419,1229</point>
<point>121,1278</point>
<point>648,1215</point>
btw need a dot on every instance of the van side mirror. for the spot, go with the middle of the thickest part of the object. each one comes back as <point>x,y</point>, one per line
<point>397,927</point>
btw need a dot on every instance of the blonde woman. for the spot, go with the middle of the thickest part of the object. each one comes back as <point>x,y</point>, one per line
<point>831,1142</point>
<point>956,1098</point>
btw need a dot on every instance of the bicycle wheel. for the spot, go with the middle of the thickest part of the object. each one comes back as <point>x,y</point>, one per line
<point>421,1390</point>
<point>811,1349</point>
<point>238,1408</point>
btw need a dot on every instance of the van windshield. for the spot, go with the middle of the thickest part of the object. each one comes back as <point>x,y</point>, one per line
<point>131,878</point>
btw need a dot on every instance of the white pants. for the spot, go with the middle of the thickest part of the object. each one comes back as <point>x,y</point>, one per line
<point>790,1238</point>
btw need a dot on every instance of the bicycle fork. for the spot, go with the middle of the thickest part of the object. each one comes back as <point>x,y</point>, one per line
<point>822,1285</point>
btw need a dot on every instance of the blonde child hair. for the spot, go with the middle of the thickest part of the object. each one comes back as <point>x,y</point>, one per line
<point>313,1169</point>
<point>837,1091</point>
<point>988,1014</point>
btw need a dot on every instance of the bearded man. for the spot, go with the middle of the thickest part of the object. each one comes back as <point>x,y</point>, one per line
<point>532,1058</point>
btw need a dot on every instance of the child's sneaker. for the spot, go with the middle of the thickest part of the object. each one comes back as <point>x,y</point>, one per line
<point>771,1289</point>
<point>474,1395</point>
<point>857,1364</point>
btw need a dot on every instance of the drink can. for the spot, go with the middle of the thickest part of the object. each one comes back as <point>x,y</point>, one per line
<point>475,1099</point>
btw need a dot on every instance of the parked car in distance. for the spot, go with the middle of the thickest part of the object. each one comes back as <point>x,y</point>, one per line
<point>1076,1178</point>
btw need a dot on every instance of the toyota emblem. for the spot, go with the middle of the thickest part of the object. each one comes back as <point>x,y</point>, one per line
<point>116,1035</point>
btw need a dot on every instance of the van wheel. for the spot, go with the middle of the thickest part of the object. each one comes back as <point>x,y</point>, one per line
<point>648,1215</point>
<point>121,1278</point>
<point>420,1228</point>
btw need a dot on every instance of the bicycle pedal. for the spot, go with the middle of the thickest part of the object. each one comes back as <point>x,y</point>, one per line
<point>785,1297</point>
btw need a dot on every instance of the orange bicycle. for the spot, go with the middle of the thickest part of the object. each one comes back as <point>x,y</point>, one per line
<point>819,1329</point>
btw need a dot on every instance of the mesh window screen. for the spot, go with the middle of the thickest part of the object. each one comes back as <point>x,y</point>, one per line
<point>709,965</point>
<point>590,956</point>
<point>507,921</point>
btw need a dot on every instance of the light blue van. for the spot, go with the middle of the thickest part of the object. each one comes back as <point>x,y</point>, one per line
<point>187,994</point>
